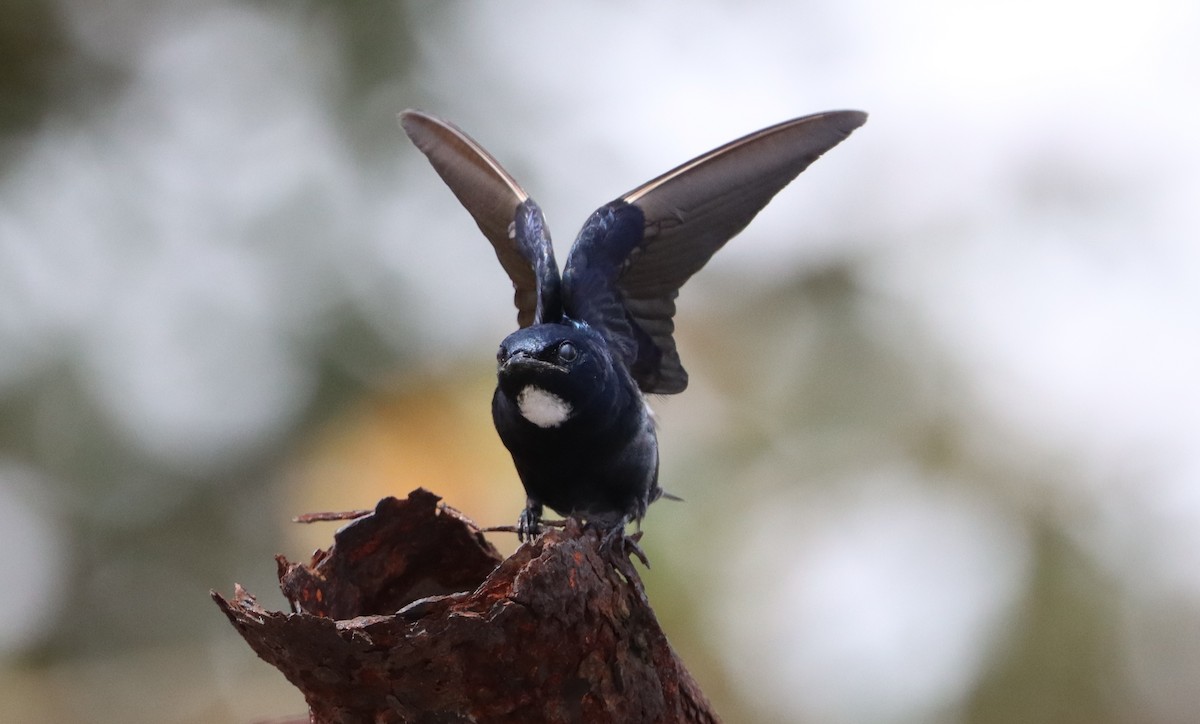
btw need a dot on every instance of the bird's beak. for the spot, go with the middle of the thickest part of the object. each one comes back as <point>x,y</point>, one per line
<point>522,360</point>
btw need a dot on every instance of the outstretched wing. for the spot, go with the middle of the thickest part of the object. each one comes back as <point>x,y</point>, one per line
<point>623,277</point>
<point>510,220</point>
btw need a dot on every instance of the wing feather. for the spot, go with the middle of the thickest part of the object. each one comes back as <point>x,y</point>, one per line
<point>688,214</point>
<point>503,211</point>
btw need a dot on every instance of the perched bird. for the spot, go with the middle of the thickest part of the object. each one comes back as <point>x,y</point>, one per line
<point>570,400</point>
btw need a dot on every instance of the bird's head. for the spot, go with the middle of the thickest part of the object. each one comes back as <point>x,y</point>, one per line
<point>553,371</point>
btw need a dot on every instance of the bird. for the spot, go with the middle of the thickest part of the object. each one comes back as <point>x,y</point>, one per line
<point>570,403</point>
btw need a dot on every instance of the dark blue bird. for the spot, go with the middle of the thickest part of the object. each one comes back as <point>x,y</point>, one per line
<point>570,400</point>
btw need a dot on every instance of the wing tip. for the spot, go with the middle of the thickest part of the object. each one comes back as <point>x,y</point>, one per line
<point>853,119</point>
<point>832,126</point>
<point>408,116</point>
<point>413,120</point>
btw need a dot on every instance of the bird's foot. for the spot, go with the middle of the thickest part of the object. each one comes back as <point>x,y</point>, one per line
<point>529,523</point>
<point>619,545</point>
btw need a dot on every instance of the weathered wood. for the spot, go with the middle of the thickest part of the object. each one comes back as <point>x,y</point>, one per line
<point>411,616</point>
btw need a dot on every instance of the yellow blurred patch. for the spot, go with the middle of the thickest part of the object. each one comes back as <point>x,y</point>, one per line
<point>434,433</point>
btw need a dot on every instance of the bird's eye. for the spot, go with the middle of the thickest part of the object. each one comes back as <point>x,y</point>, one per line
<point>567,352</point>
<point>500,354</point>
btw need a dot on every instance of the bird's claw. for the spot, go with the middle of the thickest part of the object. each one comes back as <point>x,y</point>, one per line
<point>529,523</point>
<point>619,545</point>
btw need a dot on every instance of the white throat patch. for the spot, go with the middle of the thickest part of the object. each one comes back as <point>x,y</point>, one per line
<point>542,408</point>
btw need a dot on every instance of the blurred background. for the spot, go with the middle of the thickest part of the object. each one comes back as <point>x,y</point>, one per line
<point>940,450</point>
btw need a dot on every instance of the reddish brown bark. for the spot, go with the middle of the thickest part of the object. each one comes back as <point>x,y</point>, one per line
<point>411,616</point>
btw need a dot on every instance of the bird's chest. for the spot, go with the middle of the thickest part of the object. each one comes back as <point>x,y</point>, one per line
<point>542,408</point>
<point>539,422</point>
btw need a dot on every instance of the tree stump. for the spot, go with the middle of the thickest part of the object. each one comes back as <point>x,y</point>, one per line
<point>412,616</point>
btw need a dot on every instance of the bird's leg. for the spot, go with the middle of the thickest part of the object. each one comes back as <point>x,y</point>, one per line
<point>529,523</point>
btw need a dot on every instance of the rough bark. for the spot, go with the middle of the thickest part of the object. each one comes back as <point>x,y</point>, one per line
<point>411,616</point>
